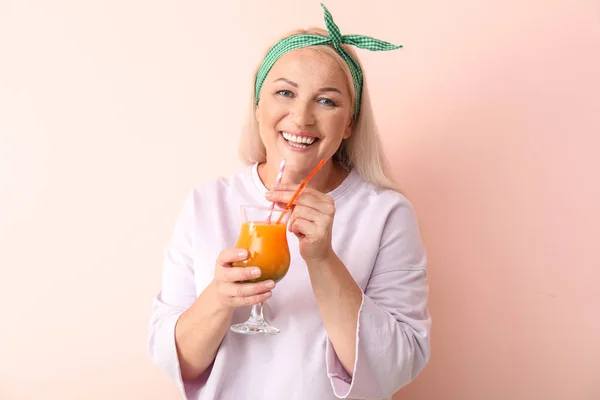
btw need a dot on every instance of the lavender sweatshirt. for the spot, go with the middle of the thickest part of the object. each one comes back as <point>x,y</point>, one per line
<point>375,234</point>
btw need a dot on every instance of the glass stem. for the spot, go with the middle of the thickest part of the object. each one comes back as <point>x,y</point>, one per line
<point>256,314</point>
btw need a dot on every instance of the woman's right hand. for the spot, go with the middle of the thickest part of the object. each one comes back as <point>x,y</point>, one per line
<point>228,280</point>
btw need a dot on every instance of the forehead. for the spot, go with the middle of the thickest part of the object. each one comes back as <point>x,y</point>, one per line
<point>308,65</point>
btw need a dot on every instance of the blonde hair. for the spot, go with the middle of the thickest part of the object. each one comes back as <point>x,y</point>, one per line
<point>362,151</point>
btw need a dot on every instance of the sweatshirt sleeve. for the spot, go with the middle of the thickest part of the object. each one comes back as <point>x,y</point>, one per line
<point>177,293</point>
<point>392,336</point>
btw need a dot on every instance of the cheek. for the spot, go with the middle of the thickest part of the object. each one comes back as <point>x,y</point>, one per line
<point>339,127</point>
<point>268,117</point>
<point>271,112</point>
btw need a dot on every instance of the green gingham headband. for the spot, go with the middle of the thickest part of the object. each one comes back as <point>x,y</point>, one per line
<point>335,39</point>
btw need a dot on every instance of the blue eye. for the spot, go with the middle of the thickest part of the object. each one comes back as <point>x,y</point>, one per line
<point>327,102</point>
<point>285,93</point>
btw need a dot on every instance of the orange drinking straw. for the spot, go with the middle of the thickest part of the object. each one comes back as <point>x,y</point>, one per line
<point>302,185</point>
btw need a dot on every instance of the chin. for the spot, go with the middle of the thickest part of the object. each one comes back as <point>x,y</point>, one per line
<point>303,165</point>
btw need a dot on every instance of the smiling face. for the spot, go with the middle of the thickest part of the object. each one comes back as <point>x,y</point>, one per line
<point>305,110</point>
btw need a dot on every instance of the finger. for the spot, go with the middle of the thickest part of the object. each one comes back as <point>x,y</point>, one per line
<point>306,191</point>
<point>285,187</point>
<point>245,289</point>
<point>291,221</point>
<point>249,300</point>
<point>310,191</point>
<point>239,274</point>
<point>315,199</point>
<point>279,196</point>
<point>308,229</point>
<point>311,214</point>
<point>306,213</point>
<point>320,201</point>
<point>284,195</point>
<point>311,199</point>
<point>228,256</point>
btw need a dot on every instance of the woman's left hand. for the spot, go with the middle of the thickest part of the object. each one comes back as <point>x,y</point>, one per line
<point>311,219</point>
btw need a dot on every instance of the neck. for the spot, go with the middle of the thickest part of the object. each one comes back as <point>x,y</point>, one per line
<point>330,176</point>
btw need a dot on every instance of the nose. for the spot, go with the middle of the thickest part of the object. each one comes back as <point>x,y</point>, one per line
<point>302,113</point>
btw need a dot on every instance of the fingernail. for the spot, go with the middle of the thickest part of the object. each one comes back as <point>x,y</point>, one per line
<point>268,195</point>
<point>243,253</point>
<point>255,272</point>
<point>267,294</point>
<point>270,285</point>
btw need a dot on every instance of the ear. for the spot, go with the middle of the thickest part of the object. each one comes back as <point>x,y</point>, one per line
<point>257,112</point>
<point>348,131</point>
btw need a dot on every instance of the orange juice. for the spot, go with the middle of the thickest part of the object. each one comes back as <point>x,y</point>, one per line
<point>267,247</point>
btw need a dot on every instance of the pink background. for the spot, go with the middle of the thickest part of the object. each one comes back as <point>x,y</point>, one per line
<point>110,111</point>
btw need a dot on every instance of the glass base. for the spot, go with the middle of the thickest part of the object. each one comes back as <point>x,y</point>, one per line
<point>256,324</point>
<point>249,328</point>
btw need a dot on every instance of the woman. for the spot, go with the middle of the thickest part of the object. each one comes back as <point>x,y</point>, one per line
<point>353,307</point>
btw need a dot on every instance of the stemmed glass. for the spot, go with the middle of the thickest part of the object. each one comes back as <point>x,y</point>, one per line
<point>264,235</point>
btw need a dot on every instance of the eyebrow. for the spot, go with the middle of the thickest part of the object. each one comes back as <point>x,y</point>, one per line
<point>294,84</point>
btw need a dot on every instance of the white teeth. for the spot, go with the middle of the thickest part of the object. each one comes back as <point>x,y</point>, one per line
<point>298,139</point>
<point>297,145</point>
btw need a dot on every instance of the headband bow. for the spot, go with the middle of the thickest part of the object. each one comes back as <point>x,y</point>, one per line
<point>335,39</point>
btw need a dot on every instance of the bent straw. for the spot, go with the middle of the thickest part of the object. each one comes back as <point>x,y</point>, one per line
<point>302,185</point>
<point>277,182</point>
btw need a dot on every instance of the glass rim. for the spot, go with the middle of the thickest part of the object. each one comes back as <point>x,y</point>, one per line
<point>265,208</point>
